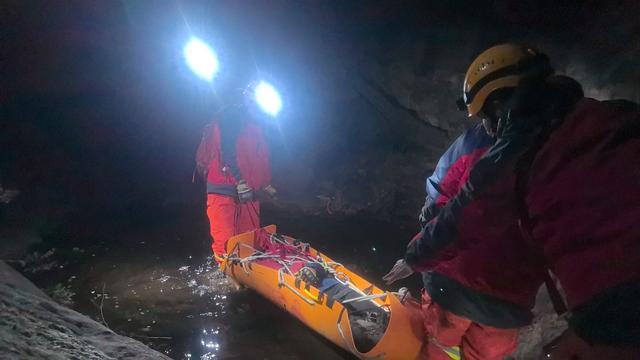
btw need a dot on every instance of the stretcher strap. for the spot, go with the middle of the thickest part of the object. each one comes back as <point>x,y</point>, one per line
<point>287,260</point>
<point>364,298</point>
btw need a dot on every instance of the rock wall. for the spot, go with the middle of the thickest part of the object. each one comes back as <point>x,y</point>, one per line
<point>35,327</point>
<point>406,63</point>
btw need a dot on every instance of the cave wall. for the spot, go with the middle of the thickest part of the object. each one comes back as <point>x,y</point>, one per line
<point>104,118</point>
<point>413,55</point>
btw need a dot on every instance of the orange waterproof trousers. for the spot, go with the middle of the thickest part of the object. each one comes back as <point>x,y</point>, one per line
<point>446,331</point>
<point>228,217</point>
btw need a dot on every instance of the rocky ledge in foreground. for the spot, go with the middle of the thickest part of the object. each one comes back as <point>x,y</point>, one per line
<point>34,326</point>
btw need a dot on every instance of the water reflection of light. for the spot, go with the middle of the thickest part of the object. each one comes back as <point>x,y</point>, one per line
<point>210,343</point>
<point>208,282</point>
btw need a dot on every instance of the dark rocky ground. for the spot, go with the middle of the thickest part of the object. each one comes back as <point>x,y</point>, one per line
<point>35,327</point>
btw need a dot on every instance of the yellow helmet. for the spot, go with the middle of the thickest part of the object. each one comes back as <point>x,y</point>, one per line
<point>499,67</point>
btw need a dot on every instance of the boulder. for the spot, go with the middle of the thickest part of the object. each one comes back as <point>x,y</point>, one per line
<point>35,327</point>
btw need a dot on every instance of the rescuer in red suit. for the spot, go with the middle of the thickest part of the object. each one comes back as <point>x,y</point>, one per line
<point>233,156</point>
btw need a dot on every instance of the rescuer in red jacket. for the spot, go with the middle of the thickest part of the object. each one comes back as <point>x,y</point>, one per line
<point>570,167</point>
<point>471,304</point>
<point>233,156</point>
<point>495,336</point>
<point>577,174</point>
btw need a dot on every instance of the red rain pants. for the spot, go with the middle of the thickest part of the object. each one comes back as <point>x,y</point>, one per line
<point>228,217</point>
<point>446,330</point>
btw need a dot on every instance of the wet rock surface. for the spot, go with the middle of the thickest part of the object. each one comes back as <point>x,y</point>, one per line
<point>546,326</point>
<point>35,327</point>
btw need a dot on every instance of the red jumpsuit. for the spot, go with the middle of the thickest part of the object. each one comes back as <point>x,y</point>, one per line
<point>245,157</point>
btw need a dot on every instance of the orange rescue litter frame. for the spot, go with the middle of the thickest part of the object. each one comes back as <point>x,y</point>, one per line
<point>330,299</point>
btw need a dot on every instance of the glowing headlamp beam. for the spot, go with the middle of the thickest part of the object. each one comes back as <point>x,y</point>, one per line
<point>267,97</point>
<point>201,59</point>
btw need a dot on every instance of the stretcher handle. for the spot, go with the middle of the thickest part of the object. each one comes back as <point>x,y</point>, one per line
<point>282,283</point>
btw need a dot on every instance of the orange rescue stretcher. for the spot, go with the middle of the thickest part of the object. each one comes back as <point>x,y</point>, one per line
<point>329,298</point>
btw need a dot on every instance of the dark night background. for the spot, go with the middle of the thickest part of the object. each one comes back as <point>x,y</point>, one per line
<point>100,117</point>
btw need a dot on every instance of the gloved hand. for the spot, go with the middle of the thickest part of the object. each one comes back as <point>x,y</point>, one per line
<point>220,258</point>
<point>399,271</point>
<point>271,191</point>
<point>242,186</point>
<point>245,192</point>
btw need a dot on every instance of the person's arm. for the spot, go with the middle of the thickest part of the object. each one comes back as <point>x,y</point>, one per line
<point>448,176</point>
<point>442,231</point>
<point>429,209</point>
<point>442,186</point>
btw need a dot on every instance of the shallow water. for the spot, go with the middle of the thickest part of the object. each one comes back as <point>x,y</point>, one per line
<point>156,283</point>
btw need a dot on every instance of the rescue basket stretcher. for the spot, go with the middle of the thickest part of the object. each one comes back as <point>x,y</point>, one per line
<point>329,298</point>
